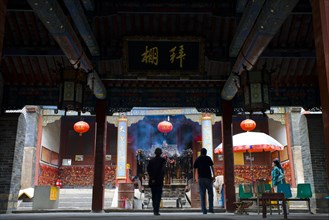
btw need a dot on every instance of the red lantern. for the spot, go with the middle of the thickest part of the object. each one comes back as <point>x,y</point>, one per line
<point>165,126</point>
<point>248,125</point>
<point>81,127</point>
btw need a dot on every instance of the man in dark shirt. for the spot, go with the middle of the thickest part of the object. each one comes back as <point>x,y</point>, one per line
<point>156,169</point>
<point>203,168</point>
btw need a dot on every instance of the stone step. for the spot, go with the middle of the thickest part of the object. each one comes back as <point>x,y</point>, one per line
<point>74,198</point>
<point>64,205</point>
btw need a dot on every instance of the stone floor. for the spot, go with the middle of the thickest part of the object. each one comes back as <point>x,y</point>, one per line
<point>81,199</point>
<point>79,215</point>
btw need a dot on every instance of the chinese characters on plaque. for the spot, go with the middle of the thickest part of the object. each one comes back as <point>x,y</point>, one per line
<point>151,56</point>
<point>164,56</point>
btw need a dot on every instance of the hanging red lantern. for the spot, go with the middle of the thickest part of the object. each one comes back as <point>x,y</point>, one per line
<point>81,127</point>
<point>165,127</point>
<point>248,125</point>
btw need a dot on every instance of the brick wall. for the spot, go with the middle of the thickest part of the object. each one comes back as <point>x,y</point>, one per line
<point>3,6</point>
<point>314,156</point>
<point>12,138</point>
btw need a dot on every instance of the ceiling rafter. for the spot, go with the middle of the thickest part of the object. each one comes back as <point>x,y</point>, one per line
<point>269,21</point>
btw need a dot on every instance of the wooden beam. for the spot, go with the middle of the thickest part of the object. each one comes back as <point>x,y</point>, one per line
<point>52,16</point>
<point>81,22</point>
<point>246,23</point>
<point>89,5</point>
<point>269,21</point>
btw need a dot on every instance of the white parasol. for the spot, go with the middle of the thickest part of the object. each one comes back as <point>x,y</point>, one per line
<point>252,142</point>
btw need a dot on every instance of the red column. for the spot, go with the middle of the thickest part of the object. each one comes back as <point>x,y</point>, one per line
<point>100,151</point>
<point>320,10</point>
<point>38,152</point>
<point>229,187</point>
<point>291,164</point>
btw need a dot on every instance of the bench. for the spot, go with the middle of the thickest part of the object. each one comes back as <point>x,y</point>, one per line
<point>304,193</point>
<point>301,199</point>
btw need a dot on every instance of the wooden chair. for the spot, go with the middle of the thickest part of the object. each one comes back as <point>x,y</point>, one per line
<point>241,207</point>
<point>261,187</point>
<point>246,192</point>
<point>246,198</point>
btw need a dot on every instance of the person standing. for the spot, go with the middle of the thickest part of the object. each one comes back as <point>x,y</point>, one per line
<point>204,169</point>
<point>277,174</point>
<point>156,170</point>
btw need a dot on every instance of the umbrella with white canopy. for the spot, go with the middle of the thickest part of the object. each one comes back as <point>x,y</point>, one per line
<point>252,142</point>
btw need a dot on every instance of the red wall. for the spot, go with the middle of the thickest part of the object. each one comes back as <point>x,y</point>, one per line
<point>84,175</point>
<point>47,175</point>
<point>73,176</point>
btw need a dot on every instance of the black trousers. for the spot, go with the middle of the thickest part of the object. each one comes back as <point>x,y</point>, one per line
<point>156,197</point>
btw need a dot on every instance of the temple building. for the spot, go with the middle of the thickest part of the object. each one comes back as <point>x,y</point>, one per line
<point>88,90</point>
<point>68,157</point>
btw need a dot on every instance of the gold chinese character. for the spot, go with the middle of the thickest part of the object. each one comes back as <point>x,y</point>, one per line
<point>150,56</point>
<point>179,56</point>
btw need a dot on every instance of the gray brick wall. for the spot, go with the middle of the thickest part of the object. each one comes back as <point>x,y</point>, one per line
<point>294,118</point>
<point>31,137</point>
<point>31,142</point>
<point>295,143</point>
<point>12,138</point>
<point>314,154</point>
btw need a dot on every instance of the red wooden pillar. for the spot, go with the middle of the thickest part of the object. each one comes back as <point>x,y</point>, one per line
<point>320,13</point>
<point>291,164</point>
<point>229,187</point>
<point>38,152</point>
<point>100,151</point>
